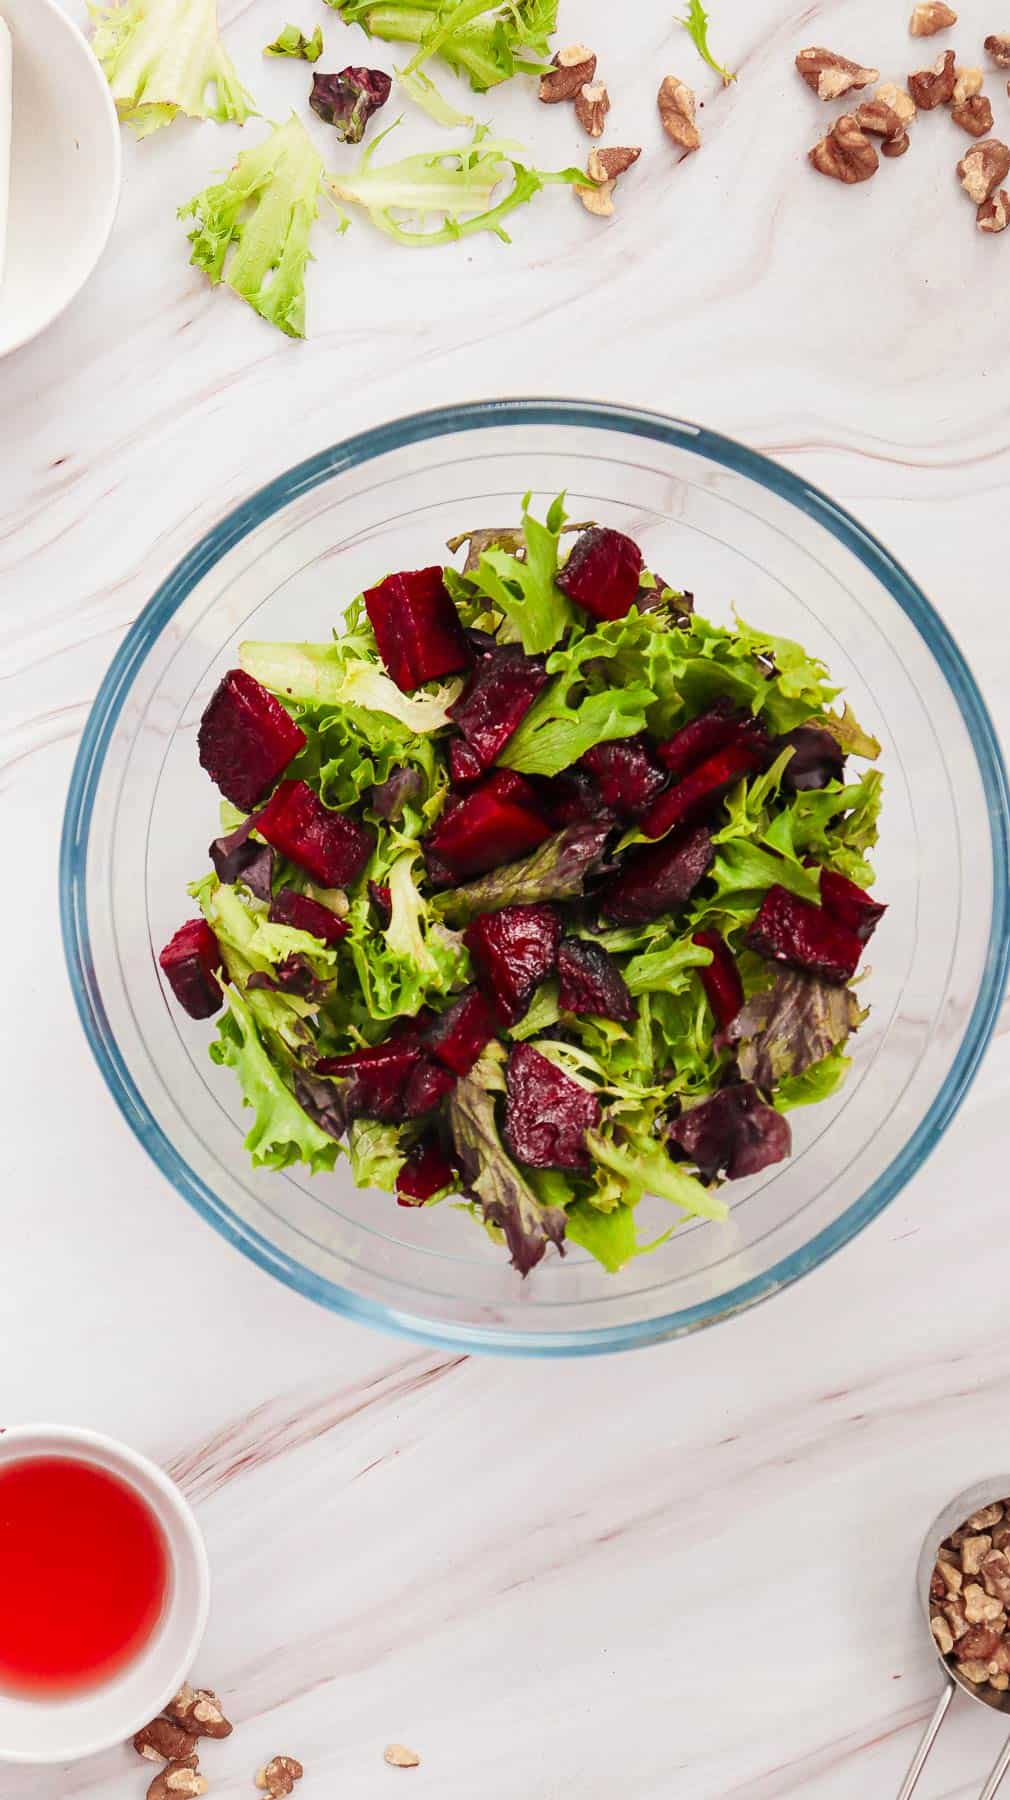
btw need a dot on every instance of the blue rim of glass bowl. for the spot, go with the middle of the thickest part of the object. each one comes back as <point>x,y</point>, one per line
<point>354,452</point>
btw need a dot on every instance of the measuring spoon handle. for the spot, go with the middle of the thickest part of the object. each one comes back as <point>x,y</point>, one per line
<point>929,1736</point>
<point>996,1778</point>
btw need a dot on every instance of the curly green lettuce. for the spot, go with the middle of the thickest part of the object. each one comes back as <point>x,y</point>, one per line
<point>486,43</point>
<point>165,57</point>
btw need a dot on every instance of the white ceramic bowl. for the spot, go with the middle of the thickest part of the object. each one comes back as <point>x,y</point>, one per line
<point>66,169</point>
<point>63,1730</point>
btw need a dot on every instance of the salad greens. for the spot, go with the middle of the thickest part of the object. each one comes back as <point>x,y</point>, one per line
<point>165,57</point>
<point>696,24</point>
<point>293,42</point>
<point>485,42</point>
<point>476,1007</point>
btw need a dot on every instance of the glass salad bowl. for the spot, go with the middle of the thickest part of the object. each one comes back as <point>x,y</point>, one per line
<point>735,530</point>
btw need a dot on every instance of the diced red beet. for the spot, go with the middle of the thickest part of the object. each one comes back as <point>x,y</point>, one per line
<point>602,572</point>
<point>735,1133</point>
<point>547,1114</point>
<point>817,758</point>
<point>329,846</point>
<point>626,773</point>
<point>659,879</point>
<point>851,905</point>
<point>495,701</point>
<point>701,737</point>
<point>417,628</point>
<point>465,765</point>
<point>590,981</point>
<point>303,913</point>
<point>427,1088</point>
<point>513,951</point>
<point>382,900</point>
<point>246,739</point>
<point>190,961</point>
<point>460,1033</point>
<point>702,789</point>
<point>413,1029</point>
<point>427,1170</point>
<point>721,979</point>
<point>791,930</point>
<point>571,797</point>
<point>376,1079</point>
<point>495,823</point>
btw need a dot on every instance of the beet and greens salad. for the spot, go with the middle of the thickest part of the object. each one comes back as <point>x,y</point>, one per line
<point>535,889</point>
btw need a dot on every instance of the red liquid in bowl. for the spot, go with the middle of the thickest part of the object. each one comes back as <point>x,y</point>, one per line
<point>84,1574</point>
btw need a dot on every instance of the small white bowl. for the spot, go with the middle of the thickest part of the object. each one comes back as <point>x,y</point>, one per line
<point>66,169</point>
<point>64,1730</point>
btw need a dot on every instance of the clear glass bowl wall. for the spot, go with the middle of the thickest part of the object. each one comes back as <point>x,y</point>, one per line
<point>737,531</point>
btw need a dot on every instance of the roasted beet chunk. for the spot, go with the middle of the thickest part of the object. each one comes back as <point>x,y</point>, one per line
<point>734,1134</point>
<point>626,773</point>
<point>330,847</point>
<point>602,572</point>
<point>547,1114</point>
<point>701,790</point>
<point>816,759</point>
<point>303,913</point>
<point>496,823</point>
<point>790,930</point>
<point>426,1171</point>
<point>246,739</point>
<point>590,981</point>
<point>427,1088</point>
<point>495,701</point>
<point>851,905</point>
<point>375,1081</point>
<point>702,737</point>
<point>417,628</point>
<point>460,1033</point>
<point>721,979</point>
<point>659,879</point>
<point>465,765</point>
<point>513,950</point>
<point>189,961</point>
<point>571,797</point>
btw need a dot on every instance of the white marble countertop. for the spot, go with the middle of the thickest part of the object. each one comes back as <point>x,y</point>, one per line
<point>685,1573</point>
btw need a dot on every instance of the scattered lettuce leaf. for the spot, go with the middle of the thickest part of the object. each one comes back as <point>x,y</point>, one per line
<point>836,825</point>
<point>646,1168</point>
<point>523,589</point>
<point>792,1025</point>
<point>696,24</point>
<point>422,90</point>
<point>165,57</point>
<point>292,42</point>
<point>556,870</point>
<point>848,732</point>
<point>543,1012</point>
<point>416,959</point>
<point>665,969</point>
<point>608,1236</point>
<point>818,1082</point>
<point>252,229</point>
<point>325,675</point>
<point>491,1178</point>
<point>375,1153</point>
<point>282,1132</point>
<point>487,43</point>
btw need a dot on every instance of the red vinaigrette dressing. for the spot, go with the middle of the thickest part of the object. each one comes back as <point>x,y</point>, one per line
<point>84,1575</point>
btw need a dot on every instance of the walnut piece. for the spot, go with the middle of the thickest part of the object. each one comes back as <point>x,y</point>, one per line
<point>968,82</point>
<point>950,1572</point>
<point>880,120</point>
<point>278,1776</point>
<point>179,1781</point>
<point>898,100</point>
<point>573,67</point>
<point>982,168</point>
<point>974,116</point>
<point>926,21</point>
<point>199,1711</point>
<point>954,1615</point>
<point>995,1572</point>
<point>978,1643</point>
<point>994,215</point>
<point>975,1672</point>
<point>972,1552</point>
<point>677,104</point>
<point>616,159</point>
<point>942,1633</point>
<point>981,1608</point>
<point>846,153</point>
<point>164,1741</point>
<point>399,1757</point>
<point>830,75</point>
<point>935,86</point>
<point>592,104</point>
<point>999,49</point>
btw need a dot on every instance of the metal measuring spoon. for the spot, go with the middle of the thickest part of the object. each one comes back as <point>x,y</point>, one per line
<point>952,1517</point>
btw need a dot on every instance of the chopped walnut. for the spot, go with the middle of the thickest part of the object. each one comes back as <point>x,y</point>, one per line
<point>967,83</point>
<point>830,75</point>
<point>979,1642</point>
<point>592,104</point>
<point>399,1757</point>
<point>943,1634</point>
<point>179,1781</point>
<point>972,1552</point>
<point>676,104</point>
<point>999,1682</point>
<point>199,1711</point>
<point>995,1572</point>
<point>935,86</point>
<point>927,20</point>
<point>846,153</point>
<point>898,100</point>
<point>164,1741</point>
<point>974,116</point>
<point>999,49</point>
<point>975,1672</point>
<point>949,1571</point>
<point>980,1608</point>
<point>277,1778</point>
<point>616,159</point>
<point>994,213</point>
<point>573,67</point>
<point>954,1615</point>
<point>982,168</point>
<point>880,120</point>
<point>988,1515</point>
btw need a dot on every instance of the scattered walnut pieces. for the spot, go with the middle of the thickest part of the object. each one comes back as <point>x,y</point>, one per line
<point>878,119</point>
<point>935,86</point>
<point>830,75</point>
<point>677,105</point>
<point>846,153</point>
<point>573,67</point>
<point>199,1711</point>
<point>967,83</point>
<point>898,100</point>
<point>178,1781</point>
<point>942,1633</point>
<point>999,49</point>
<point>974,115</point>
<point>970,1628</point>
<point>604,166</point>
<point>399,1757</point>
<point>982,168</point>
<point>164,1741</point>
<point>592,104</point>
<point>277,1777</point>
<point>927,20</point>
